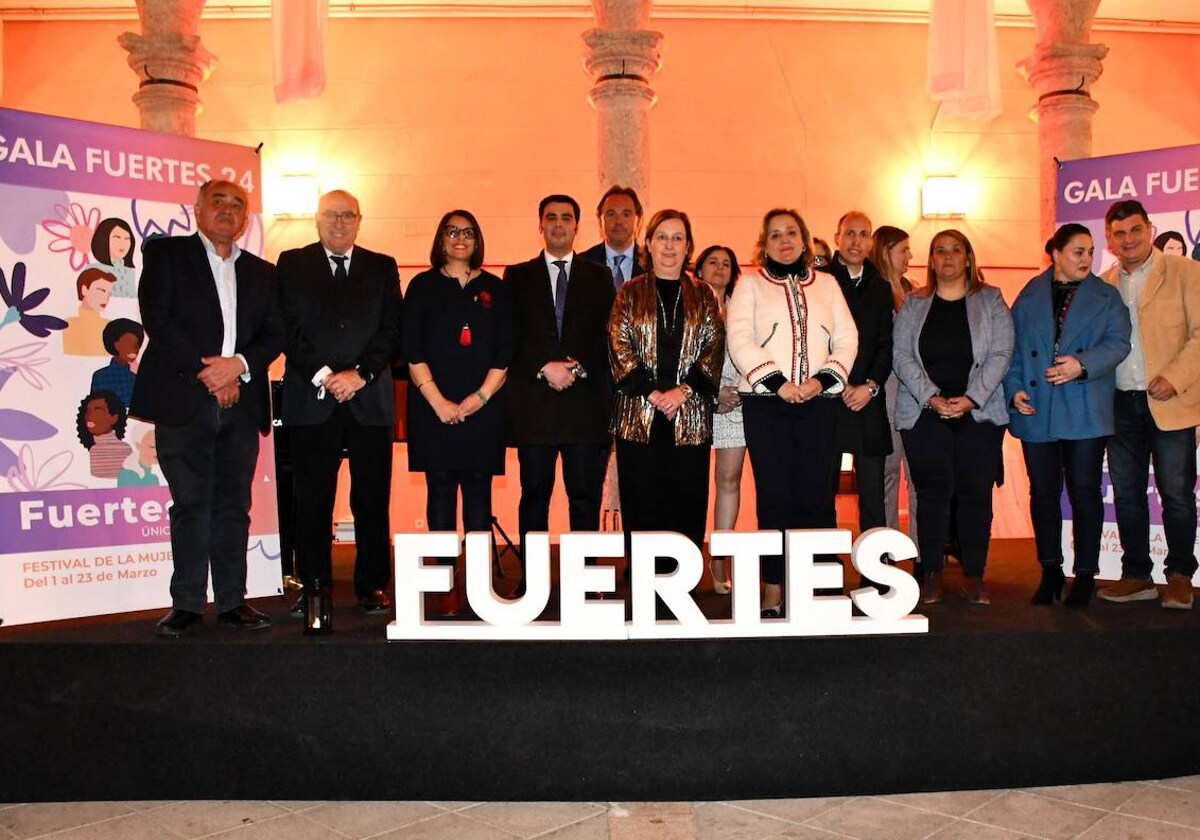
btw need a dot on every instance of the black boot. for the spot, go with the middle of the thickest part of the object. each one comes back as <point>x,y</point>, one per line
<point>1050,589</point>
<point>1081,590</point>
<point>318,606</point>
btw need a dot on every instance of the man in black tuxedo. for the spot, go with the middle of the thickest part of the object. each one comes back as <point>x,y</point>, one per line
<point>341,309</point>
<point>209,314</point>
<point>862,422</point>
<point>620,215</point>
<point>558,399</point>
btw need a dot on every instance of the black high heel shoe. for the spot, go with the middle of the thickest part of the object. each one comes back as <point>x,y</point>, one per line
<point>1050,588</point>
<point>1081,590</point>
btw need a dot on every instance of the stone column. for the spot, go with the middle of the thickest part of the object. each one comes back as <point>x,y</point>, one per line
<point>1062,69</point>
<point>622,55</point>
<point>171,63</point>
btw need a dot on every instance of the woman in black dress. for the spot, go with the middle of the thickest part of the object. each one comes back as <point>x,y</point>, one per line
<point>458,342</point>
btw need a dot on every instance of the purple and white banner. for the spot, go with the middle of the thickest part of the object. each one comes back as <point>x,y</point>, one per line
<point>84,509</point>
<point>1167,183</point>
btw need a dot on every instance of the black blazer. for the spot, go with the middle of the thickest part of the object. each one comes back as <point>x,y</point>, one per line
<point>354,327</point>
<point>871,305</point>
<point>537,414</point>
<point>182,316</point>
<point>596,254</point>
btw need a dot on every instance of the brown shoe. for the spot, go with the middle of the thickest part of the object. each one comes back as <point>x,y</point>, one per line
<point>1129,589</point>
<point>1178,595</point>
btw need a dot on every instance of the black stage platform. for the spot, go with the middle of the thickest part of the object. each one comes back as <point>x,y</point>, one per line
<point>1003,696</point>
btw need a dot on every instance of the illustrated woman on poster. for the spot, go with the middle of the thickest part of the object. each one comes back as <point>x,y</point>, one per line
<point>122,339</point>
<point>112,250</point>
<point>1171,242</point>
<point>84,335</point>
<point>100,424</point>
<point>139,467</point>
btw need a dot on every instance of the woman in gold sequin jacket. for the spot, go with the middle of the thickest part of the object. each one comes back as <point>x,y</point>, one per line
<point>666,346</point>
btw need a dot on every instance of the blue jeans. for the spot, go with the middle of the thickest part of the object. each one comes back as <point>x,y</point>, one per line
<point>1130,450</point>
<point>1081,462</point>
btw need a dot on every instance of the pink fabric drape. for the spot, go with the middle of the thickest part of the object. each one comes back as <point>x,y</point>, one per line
<point>964,67</point>
<point>298,32</point>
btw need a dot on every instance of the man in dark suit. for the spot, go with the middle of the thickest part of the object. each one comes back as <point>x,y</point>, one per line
<point>620,215</point>
<point>209,314</point>
<point>862,421</point>
<point>558,400</point>
<point>341,310</point>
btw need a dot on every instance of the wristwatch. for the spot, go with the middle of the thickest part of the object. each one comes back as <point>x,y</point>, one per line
<point>872,388</point>
<point>687,391</point>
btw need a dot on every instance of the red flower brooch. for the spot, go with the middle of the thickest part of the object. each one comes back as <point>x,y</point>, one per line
<point>485,298</point>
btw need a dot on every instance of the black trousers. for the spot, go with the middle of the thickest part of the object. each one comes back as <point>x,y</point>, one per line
<point>954,461</point>
<point>441,503</point>
<point>792,453</point>
<point>868,479</point>
<point>583,475</point>
<point>664,487</point>
<point>316,460</point>
<point>1081,462</point>
<point>209,463</point>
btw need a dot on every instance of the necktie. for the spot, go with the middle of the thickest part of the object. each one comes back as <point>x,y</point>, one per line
<point>339,273</point>
<point>618,275</point>
<point>560,294</point>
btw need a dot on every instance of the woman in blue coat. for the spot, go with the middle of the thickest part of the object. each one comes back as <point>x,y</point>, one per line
<point>1072,330</point>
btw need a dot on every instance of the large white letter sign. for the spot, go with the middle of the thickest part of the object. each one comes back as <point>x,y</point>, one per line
<point>418,578</point>
<point>674,588</point>
<point>581,618</point>
<point>807,613</point>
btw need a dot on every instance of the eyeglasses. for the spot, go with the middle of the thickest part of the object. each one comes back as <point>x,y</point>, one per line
<point>455,232</point>
<point>346,216</point>
<point>820,259</point>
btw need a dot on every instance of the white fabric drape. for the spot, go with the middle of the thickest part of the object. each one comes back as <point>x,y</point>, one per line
<point>964,67</point>
<point>298,33</point>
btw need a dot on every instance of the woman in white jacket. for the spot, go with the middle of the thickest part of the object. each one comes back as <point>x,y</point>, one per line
<point>793,340</point>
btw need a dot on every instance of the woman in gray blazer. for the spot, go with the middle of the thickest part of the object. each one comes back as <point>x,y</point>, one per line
<point>952,344</point>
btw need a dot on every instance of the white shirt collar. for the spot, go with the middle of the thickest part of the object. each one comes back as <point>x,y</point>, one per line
<point>1141,269</point>
<point>552,268</point>
<point>234,251</point>
<point>329,255</point>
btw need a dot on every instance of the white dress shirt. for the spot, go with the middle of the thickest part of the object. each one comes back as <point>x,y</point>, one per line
<point>224,272</point>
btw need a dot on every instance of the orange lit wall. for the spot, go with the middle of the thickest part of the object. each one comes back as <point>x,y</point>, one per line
<point>423,115</point>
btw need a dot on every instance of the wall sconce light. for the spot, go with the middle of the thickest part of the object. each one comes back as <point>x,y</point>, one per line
<point>943,197</point>
<point>294,197</point>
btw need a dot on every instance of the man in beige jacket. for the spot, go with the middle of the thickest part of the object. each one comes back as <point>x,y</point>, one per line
<point>1157,407</point>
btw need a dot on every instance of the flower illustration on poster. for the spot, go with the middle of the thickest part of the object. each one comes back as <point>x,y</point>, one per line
<point>17,204</point>
<point>19,306</point>
<point>71,232</point>
<point>27,476</point>
<point>18,425</point>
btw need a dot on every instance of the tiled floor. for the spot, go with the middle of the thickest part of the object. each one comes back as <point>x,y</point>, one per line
<point>1168,809</point>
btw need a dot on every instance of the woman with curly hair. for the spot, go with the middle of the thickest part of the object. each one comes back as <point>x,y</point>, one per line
<point>100,423</point>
